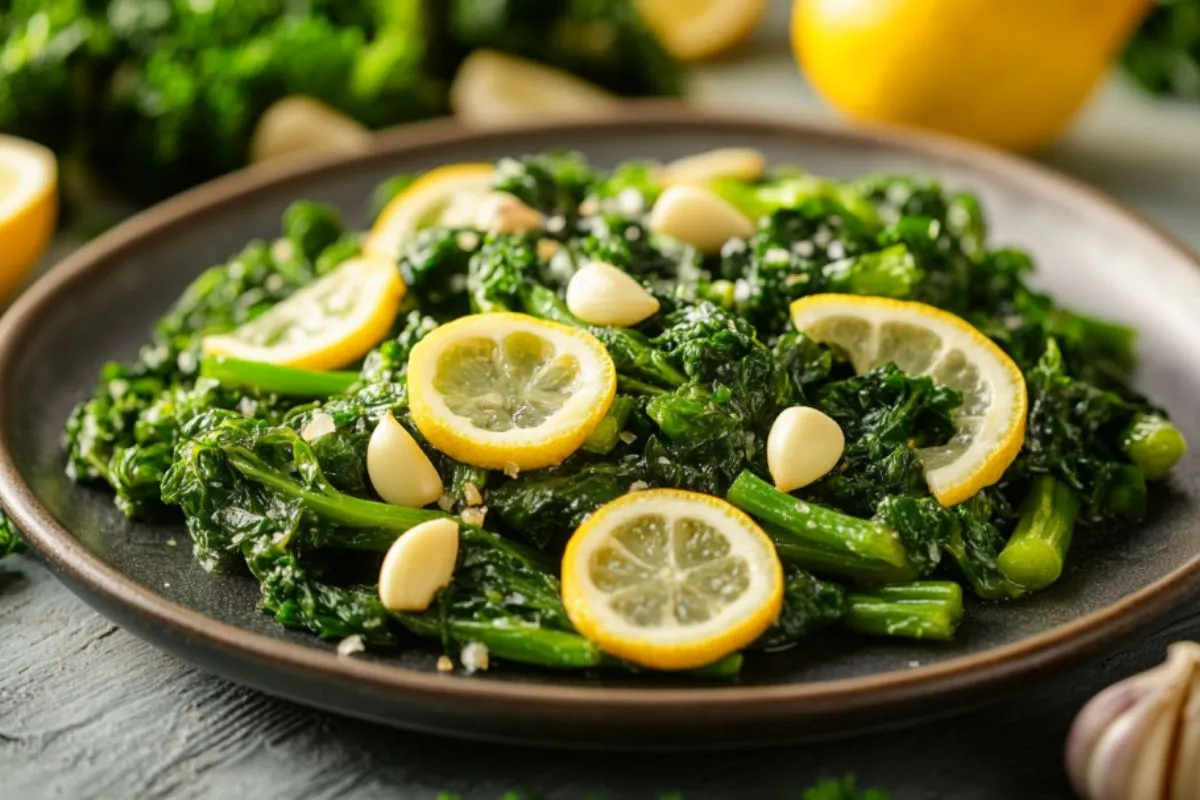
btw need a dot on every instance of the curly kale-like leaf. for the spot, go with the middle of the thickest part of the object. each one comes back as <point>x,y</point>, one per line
<point>809,604</point>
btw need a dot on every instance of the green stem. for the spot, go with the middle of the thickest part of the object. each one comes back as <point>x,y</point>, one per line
<point>813,526</point>
<point>236,373</point>
<point>917,610</point>
<point>1034,555</point>
<point>333,506</point>
<point>604,438</point>
<point>821,560</point>
<point>1154,444</point>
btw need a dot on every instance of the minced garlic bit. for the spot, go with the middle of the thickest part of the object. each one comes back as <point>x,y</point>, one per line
<point>628,437</point>
<point>444,664</point>
<point>320,425</point>
<point>471,495</point>
<point>350,645</point>
<point>474,657</point>
<point>512,469</point>
<point>638,486</point>
<point>446,502</point>
<point>474,516</point>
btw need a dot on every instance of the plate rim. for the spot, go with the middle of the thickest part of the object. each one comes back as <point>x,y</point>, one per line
<point>1054,649</point>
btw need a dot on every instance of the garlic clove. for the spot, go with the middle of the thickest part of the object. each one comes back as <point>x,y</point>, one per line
<point>501,212</point>
<point>295,124</point>
<point>1123,744</point>
<point>398,468</point>
<point>417,564</point>
<point>803,446</point>
<point>601,294</point>
<point>733,163</point>
<point>699,217</point>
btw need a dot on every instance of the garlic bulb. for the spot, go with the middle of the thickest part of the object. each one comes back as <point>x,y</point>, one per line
<point>1140,739</point>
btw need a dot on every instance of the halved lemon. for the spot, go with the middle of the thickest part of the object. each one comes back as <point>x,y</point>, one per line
<point>509,391</point>
<point>330,323</point>
<point>671,579</point>
<point>493,88</point>
<point>923,340</point>
<point>28,207</point>
<point>700,29</point>
<point>451,190</point>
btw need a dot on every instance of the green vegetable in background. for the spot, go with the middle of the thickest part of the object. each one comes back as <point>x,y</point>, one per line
<point>1164,54</point>
<point>158,95</point>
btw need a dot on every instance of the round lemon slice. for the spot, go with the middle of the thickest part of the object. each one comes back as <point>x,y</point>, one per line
<point>509,391</point>
<point>330,323</point>
<point>700,29</point>
<point>671,579</point>
<point>28,207</point>
<point>445,194</point>
<point>923,340</point>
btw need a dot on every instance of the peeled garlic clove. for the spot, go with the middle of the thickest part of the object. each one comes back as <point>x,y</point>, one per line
<point>699,217</point>
<point>297,123</point>
<point>399,469</point>
<point>496,89</point>
<point>601,294</point>
<point>501,212</point>
<point>803,446</point>
<point>1122,744</point>
<point>735,163</point>
<point>417,564</point>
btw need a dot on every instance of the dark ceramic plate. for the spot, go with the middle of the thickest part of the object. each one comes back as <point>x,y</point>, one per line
<point>99,304</point>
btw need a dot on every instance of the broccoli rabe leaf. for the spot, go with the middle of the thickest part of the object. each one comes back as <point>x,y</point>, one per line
<point>10,537</point>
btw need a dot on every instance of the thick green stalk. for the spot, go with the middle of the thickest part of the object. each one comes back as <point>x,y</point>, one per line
<point>1034,555</point>
<point>236,373</point>
<point>602,440</point>
<point>821,560</point>
<point>814,527</point>
<point>1154,444</point>
<point>917,610</point>
<point>333,506</point>
<point>529,645</point>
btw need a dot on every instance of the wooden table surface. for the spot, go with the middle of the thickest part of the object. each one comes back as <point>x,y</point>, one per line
<point>89,711</point>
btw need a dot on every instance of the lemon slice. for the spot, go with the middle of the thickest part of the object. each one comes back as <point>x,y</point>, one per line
<point>28,207</point>
<point>330,323</point>
<point>700,29</point>
<point>509,391</point>
<point>493,88</point>
<point>671,579</point>
<point>446,194</point>
<point>923,340</point>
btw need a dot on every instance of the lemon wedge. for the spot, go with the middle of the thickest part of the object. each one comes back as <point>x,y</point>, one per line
<point>509,391</point>
<point>28,207</point>
<point>701,29</point>
<point>444,194</point>
<point>493,88</point>
<point>923,340</point>
<point>330,323</point>
<point>671,579</point>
